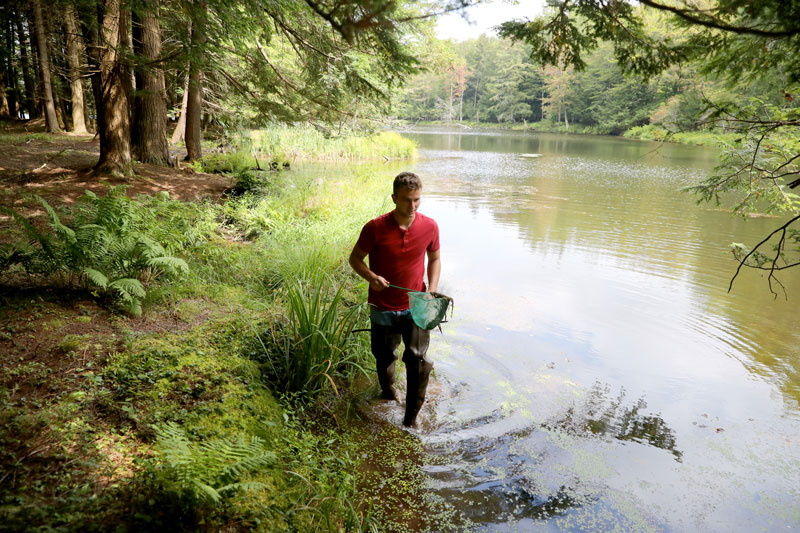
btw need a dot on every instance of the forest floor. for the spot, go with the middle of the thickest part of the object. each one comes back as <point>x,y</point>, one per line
<point>59,168</point>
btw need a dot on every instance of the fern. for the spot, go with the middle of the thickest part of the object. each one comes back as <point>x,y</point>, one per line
<point>96,277</point>
<point>65,232</point>
<point>172,265</point>
<point>211,468</point>
<point>108,245</point>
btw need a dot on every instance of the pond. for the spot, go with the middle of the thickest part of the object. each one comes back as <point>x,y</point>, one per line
<point>597,374</point>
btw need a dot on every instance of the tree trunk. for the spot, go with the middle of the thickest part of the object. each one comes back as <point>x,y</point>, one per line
<point>180,129</point>
<point>477,113</point>
<point>11,72</point>
<point>566,120</point>
<point>92,36</point>
<point>44,67</point>
<point>27,77</point>
<point>74,53</point>
<point>194,104</point>
<point>4,109</point>
<point>149,134</point>
<point>114,123</point>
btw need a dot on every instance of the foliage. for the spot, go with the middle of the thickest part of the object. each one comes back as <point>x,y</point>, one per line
<point>208,374</point>
<point>110,245</point>
<point>317,345</point>
<point>211,468</point>
<point>307,142</point>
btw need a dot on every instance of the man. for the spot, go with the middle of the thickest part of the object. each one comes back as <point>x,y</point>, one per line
<point>397,244</point>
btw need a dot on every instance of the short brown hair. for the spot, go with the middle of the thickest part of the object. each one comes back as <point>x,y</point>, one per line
<point>406,180</point>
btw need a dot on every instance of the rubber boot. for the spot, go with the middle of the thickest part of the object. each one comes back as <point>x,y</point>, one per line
<point>418,370</point>
<point>384,341</point>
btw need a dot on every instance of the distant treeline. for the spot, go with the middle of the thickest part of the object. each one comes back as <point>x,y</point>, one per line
<point>491,80</point>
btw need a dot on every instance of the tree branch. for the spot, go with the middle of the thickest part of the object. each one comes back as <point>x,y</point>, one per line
<point>691,15</point>
<point>757,246</point>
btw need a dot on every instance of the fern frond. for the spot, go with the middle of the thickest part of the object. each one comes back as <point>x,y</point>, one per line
<point>61,230</point>
<point>128,287</point>
<point>244,485</point>
<point>169,264</point>
<point>206,491</point>
<point>149,248</point>
<point>30,230</point>
<point>96,277</point>
<point>212,467</point>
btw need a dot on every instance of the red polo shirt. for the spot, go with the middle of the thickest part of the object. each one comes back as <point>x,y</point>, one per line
<point>398,255</point>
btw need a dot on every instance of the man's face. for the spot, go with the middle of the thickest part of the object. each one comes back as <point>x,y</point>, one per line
<point>407,201</point>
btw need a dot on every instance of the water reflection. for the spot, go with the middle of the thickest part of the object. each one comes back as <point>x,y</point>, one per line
<point>600,376</point>
<point>605,416</point>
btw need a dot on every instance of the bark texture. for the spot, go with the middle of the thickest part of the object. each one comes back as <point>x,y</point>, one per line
<point>74,55</point>
<point>149,134</point>
<point>114,124</point>
<point>51,120</point>
<point>194,107</point>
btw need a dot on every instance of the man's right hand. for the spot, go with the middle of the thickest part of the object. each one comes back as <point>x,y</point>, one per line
<point>379,283</point>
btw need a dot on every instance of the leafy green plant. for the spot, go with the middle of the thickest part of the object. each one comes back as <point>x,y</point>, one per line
<point>210,469</point>
<point>107,247</point>
<point>316,346</point>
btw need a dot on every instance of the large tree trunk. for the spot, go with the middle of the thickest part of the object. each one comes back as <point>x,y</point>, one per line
<point>44,67</point>
<point>27,77</point>
<point>114,124</point>
<point>180,128</point>
<point>74,53</point>
<point>149,134</point>
<point>194,107</point>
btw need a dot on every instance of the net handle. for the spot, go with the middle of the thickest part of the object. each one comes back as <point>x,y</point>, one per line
<point>402,288</point>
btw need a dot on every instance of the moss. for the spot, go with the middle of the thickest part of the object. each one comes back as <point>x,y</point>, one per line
<point>73,343</point>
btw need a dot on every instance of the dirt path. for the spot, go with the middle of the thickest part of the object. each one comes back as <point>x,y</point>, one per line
<point>59,169</point>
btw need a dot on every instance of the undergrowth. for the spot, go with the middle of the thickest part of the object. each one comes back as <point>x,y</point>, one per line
<point>215,424</point>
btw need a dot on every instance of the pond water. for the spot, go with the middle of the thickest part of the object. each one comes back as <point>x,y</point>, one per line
<point>596,374</point>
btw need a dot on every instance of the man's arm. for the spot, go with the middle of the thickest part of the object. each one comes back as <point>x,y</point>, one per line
<point>376,282</point>
<point>434,269</point>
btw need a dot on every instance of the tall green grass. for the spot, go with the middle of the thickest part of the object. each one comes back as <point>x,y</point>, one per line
<point>306,142</point>
<point>318,345</point>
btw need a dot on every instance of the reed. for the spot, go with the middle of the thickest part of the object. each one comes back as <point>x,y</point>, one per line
<point>306,142</point>
<point>317,346</point>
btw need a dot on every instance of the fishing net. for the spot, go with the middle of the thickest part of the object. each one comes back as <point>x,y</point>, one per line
<point>428,309</point>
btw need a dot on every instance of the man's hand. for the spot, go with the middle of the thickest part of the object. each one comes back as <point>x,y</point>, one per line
<point>379,283</point>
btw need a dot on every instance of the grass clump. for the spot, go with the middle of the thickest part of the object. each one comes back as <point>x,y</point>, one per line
<point>20,138</point>
<point>304,356</point>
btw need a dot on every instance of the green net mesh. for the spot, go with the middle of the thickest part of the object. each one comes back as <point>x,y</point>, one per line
<point>428,309</point>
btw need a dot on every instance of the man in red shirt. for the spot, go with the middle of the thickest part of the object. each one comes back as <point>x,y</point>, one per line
<point>397,244</point>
